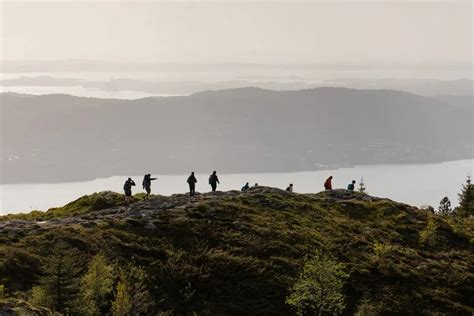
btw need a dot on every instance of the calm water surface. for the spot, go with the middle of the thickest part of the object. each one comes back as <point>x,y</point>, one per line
<point>422,184</point>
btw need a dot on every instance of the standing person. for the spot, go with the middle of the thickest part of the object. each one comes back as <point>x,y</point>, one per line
<point>213,180</point>
<point>328,183</point>
<point>192,184</point>
<point>147,185</point>
<point>245,187</point>
<point>127,188</point>
<point>351,186</point>
<point>290,188</point>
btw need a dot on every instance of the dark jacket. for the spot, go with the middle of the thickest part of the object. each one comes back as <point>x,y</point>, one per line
<point>213,179</point>
<point>127,187</point>
<point>191,180</point>
<point>328,184</point>
<point>147,181</point>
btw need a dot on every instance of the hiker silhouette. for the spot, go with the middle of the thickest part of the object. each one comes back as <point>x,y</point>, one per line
<point>213,180</point>
<point>147,184</point>
<point>192,184</point>
<point>328,183</point>
<point>351,185</point>
<point>127,188</point>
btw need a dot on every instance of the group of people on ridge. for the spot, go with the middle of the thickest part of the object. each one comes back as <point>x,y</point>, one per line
<point>328,184</point>
<point>247,186</point>
<point>213,181</point>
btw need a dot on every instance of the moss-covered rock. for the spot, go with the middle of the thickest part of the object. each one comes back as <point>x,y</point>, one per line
<point>16,307</point>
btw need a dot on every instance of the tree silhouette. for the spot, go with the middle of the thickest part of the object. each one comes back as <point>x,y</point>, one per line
<point>445,206</point>
<point>466,199</point>
<point>362,188</point>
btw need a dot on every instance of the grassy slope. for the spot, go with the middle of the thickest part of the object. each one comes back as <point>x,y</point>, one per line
<point>241,251</point>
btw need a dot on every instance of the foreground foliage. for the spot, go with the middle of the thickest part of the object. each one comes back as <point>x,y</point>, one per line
<point>240,253</point>
<point>318,289</point>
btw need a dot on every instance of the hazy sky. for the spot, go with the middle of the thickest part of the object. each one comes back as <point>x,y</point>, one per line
<point>400,32</point>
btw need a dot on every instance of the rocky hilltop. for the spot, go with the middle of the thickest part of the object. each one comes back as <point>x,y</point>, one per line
<point>234,253</point>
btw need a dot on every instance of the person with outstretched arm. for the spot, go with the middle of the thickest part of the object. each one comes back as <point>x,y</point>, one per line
<point>127,188</point>
<point>192,184</point>
<point>147,184</point>
<point>213,180</point>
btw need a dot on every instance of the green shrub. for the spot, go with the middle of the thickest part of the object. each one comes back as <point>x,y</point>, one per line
<point>318,288</point>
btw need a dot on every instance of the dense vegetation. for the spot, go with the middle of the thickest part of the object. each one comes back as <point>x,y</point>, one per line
<point>261,252</point>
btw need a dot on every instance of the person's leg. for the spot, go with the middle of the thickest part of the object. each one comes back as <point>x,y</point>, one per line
<point>214,187</point>
<point>148,191</point>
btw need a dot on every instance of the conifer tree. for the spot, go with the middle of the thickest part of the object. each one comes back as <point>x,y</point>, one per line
<point>362,188</point>
<point>318,289</point>
<point>132,297</point>
<point>466,199</point>
<point>121,305</point>
<point>445,207</point>
<point>96,285</point>
<point>59,287</point>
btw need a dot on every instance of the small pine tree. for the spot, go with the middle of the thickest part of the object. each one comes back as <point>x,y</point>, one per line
<point>59,287</point>
<point>466,199</point>
<point>40,297</point>
<point>132,294</point>
<point>445,207</point>
<point>96,285</point>
<point>362,188</point>
<point>318,289</point>
<point>121,306</point>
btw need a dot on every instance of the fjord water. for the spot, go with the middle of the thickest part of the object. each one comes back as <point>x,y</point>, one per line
<point>420,184</point>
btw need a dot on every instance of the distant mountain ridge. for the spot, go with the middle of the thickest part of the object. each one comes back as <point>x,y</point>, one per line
<point>64,138</point>
<point>426,87</point>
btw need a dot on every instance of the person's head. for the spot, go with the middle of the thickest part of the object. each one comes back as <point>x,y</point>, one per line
<point>256,183</point>
<point>353,181</point>
<point>129,179</point>
<point>192,173</point>
<point>330,177</point>
<point>149,174</point>
<point>246,183</point>
<point>291,184</point>
<point>214,172</point>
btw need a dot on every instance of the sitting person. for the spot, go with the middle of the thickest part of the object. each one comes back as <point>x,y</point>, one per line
<point>290,188</point>
<point>351,186</point>
<point>328,183</point>
<point>245,187</point>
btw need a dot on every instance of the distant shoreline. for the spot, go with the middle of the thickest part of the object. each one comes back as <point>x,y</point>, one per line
<point>328,168</point>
